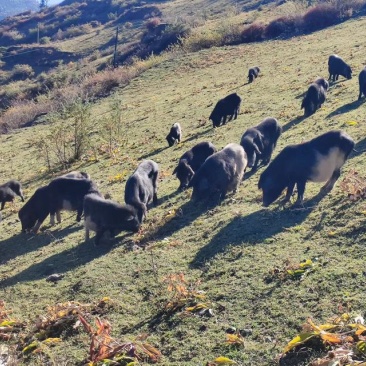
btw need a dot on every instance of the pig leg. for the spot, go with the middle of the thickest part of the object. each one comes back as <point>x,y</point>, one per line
<point>330,184</point>
<point>36,227</point>
<point>52,218</point>
<point>86,233</point>
<point>300,192</point>
<point>20,194</point>
<point>155,185</point>
<point>79,213</point>
<point>99,236</point>
<point>290,190</point>
<point>58,216</point>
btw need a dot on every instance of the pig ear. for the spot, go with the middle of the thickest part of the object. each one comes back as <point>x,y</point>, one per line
<point>175,170</point>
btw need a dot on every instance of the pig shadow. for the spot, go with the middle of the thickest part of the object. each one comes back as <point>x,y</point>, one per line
<point>153,153</point>
<point>185,215</point>
<point>23,243</point>
<point>253,229</point>
<point>346,108</point>
<point>169,196</point>
<point>198,134</point>
<point>359,149</point>
<point>293,123</point>
<point>65,261</point>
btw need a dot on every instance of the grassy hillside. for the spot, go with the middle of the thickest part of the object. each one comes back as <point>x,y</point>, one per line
<point>233,248</point>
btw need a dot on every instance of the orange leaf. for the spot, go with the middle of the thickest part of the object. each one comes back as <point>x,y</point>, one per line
<point>331,338</point>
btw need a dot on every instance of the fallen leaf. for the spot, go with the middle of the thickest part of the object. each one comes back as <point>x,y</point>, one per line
<point>224,361</point>
<point>299,339</point>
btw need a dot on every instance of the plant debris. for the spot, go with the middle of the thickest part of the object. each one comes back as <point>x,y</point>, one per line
<point>294,271</point>
<point>184,294</point>
<point>104,347</point>
<point>345,339</point>
<point>354,186</point>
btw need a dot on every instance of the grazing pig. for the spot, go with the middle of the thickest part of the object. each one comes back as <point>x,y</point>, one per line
<point>315,96</point>
<point>322,82</point>
<point>260,141</point>
<point>9,190</point>
<point>101,215</point>
<point>141,187</point>
<point>221,172</point>
<point>68,194</point>
<point>253,73</point>
<point>191,161</point>
<point>336,67</point>
<point>35,211</point>
<point>175,134</point>
<point>317,160</point>
<point>226,107</point>
<point>362,83</point>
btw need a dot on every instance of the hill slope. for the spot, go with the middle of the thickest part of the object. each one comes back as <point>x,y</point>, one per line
<point>232,248</point>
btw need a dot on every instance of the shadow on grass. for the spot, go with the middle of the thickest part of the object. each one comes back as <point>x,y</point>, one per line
<point>186,214</point>
<point>293,123</point>
<point>23,243</point>
<point>249,174</point>
<point>359,149</point>
<point>153,323</point>
<point>254,229</point>
<point>198,134</point>
<point>65,261</point>
<point>153,153</point>
<point>346,108</point>
<point>169,196</point>
<point>302,95</point>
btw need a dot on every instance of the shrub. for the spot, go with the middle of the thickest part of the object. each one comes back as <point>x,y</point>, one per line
<point>95,55</point>
<point>101,83</point>
<point>161,37</point>
<point>95,23</point>
<point>22,114</point>
<point>253,33</point>
<point>45,40</point>
<point>22,72</point>
<point>283,26</point>
<point>321,16</point>
<point>12,35</point>
<point>67,141</point>
<point>201,40</point>
<point>152,23</point>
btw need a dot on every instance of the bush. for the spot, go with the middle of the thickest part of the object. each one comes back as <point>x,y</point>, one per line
<point>283,26</point>
<point>95,55</point>
<point>45,40</point>
<point>161,37</point>
<point>152,23</point>
<point>201,40</point>
<point>321,16</point>
<point>12,35</point>
<point>22,72</point>
<point>253,33</point>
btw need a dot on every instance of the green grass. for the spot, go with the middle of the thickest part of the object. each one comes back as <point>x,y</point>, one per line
<point>230,248</point>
